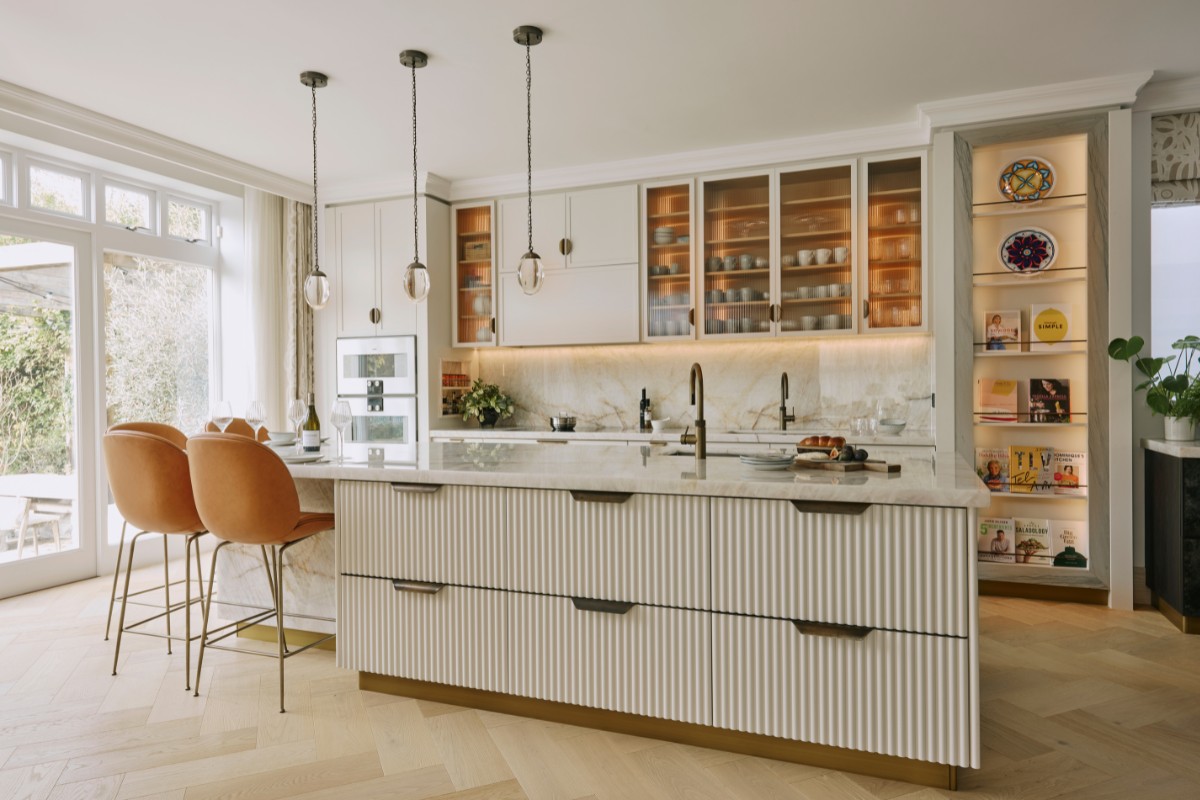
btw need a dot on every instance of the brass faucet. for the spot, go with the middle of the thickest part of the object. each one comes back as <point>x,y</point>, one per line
<point>700,437</point>
<point>784,417</point>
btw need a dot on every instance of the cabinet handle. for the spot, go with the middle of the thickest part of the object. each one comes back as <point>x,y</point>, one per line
<point>830,507</point>
<point>581,496</point>
<point>692,317</point>
<point>564,246</point>
<point>603,606</point>
<point>832,629</point>
<point>550,441</point>
<point>493,325</point>
<point>420,587</point>
<point>416,488</point>
<point>866,308</point>
<point>374,315</point>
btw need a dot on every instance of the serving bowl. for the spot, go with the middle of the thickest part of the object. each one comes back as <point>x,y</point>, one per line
<point>282,437</point>
<point>891,426</point>
<point>659,425</point>
<point>562,422</point>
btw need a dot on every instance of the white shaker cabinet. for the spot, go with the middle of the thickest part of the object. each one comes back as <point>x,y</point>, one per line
<point>574,306</point>
<point>592,228</point>
<point>549,220</point>
<point>371,244</point>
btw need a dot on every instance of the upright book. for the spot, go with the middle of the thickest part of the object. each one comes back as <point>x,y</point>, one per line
<point>1032,541</point>
<point>1049,400</point>
<point>1051,327</point>
<point>997,400</point>
<point>1070,472</point>
<point>995,540</point>
<point>1002,330</point>
<point>1029,469</point>
<point>1069,541</point>
<point>991,465</point>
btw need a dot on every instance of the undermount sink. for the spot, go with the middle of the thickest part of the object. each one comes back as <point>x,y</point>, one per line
<point>692,454</point>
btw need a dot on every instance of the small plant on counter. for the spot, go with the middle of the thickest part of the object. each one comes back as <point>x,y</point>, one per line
<point>1172,387</point>
<point>486,403</point>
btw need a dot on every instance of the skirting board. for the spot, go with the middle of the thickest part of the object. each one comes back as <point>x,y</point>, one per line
<point>941,776</point>
<point>1041,591</point>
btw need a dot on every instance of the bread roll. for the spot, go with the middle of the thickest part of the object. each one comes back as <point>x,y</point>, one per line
<point>837,441</point>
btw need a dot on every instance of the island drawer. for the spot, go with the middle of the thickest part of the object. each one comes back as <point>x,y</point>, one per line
<point>622,657</point>
<point>424,532</point>
<point>908,568</point>
<point>423,631</point>
<point>900,694</point>
<point>641,548</point>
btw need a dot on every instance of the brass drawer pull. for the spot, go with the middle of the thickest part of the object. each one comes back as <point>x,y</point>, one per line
<point>551,441</point>
<point>420,587</point>
<point>581,496</point>
<point>832,629</point>
<point>416,488</point>
<point>603,606</point>
<point>830,507</point>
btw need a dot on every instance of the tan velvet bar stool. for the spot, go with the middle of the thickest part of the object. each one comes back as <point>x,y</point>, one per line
<point>148,476</point>
<point>245,495</point>
<point>240,427</point>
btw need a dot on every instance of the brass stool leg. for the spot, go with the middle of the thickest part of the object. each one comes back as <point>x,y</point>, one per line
<point>212,574</point>
<point>112,598</point>
<point>187,605</point>
<point>167,589</point>
<point>125,598</point>
<point>277,558</point>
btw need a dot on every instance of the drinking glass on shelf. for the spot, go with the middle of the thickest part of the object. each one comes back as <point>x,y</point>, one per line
<point>222,415</point>
<point>256,417</point>
<point>340,416</point>
<point>297,411</point>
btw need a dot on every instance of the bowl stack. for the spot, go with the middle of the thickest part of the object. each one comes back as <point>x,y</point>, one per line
<point>664,235</point>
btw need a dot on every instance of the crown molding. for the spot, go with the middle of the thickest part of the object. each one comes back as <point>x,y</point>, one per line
<point>386,188</point>
<point>1051,98</point>
<point>1163,96</point>
<point>692,162</point>
<point>46,110</point>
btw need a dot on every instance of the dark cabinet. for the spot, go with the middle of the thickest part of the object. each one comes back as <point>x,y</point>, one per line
<point>1173,537</point>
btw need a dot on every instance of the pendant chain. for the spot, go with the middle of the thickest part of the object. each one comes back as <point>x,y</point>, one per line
<point>316,250</point>
<point>529,144</point>
<point>416,239</point>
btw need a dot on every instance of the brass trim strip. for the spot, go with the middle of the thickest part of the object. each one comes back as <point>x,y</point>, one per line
<point>925,773</point>
<point>1185,623</point>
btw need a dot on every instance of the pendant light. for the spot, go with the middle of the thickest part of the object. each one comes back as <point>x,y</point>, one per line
<point>416,276</point>
<point>316,285</point>
<point>529,271</point>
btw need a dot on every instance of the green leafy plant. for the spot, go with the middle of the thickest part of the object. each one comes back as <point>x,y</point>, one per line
<point>484,397</point>
<point>1172,386</point>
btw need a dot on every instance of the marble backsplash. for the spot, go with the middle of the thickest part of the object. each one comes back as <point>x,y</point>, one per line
<point>832,381</point>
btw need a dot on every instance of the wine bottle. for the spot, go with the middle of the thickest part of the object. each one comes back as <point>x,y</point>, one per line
<point>310,431</point>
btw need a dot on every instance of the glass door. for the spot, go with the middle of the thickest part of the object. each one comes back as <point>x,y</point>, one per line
<point>667,233</point>
<point>737,256</point>
<point>895,247</point>
<point>474,298</point>
<point>47,517</point>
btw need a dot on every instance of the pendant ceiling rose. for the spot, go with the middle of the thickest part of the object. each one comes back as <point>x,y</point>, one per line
<point>314,80</point>
<point>413,59</point>
<point>527,35</point>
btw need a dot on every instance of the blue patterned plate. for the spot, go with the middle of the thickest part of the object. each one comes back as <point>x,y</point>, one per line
<point>1027,179</point>
<point>1029,251</point>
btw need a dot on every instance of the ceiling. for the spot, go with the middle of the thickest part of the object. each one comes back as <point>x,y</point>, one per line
<point>613,80</point>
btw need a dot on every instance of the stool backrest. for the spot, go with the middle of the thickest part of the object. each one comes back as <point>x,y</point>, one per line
<point>240,427</point>
<point>168,432</point>
<point>243,490</point>
<point>150,482</point>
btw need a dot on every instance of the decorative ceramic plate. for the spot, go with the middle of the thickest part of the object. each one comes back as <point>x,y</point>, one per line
<point>1027,179</point>
<point>1029,251</point>
<point>300,458</point>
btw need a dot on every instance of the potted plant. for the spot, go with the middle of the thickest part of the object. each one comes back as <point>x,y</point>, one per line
<point>486,403</point>
<point>1172,387</point>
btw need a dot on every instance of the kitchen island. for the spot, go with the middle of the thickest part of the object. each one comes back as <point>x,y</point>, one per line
<point>819,617</point>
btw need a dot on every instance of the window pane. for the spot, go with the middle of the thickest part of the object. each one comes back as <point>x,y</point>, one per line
<point>1174,276</point>
<point>157,326</point>
<point>55,191</point>
<point>127,207</point>
<point>3,179</point>
<point>187,221</point>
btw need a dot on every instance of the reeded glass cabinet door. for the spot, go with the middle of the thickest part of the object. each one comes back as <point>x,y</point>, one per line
<point>668,262</point>
<point>895,247</point>
<point>737,256</point>
<point>816,226</point>
<point>474,298</point>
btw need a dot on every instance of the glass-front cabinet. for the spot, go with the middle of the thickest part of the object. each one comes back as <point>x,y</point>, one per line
<point>816,254</point>
<point>667,262</point>
<point>474,297</point>
<point>893,284</point>
<point>737,285</point>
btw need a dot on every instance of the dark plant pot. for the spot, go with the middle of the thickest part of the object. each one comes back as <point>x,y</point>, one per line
<point>488,418</point>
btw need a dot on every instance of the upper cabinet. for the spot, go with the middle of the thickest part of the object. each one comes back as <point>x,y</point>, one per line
<point>738,254</point>
<point>894,281</point>
<point>667,269</point>
<point>474,278</point>
<point>371,245</point>
<point>588,242</point>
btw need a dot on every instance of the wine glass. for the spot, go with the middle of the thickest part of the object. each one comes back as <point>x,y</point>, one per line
<point>340,416</point>
<point>256,417</point>
<point>222,415</point>
<point>297,411</point>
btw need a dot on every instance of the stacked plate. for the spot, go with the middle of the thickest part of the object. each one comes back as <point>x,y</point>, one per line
<point>772,459</point>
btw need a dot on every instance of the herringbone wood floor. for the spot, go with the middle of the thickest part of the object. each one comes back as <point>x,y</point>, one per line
<point>1078,702</point>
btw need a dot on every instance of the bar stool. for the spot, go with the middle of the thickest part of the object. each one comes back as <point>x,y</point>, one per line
<point>245,495</point>
<point>148,476</point>
<point>240,427</point>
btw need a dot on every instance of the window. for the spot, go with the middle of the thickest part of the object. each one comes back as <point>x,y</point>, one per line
<point>58,190</point>
<point>158,333</point>
<point>129,207</point>
<point>5,178</point>
<point>1174,275</point>
<point>189,220</point>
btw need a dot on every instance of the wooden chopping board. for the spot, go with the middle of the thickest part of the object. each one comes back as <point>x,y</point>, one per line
<point>844,466</point>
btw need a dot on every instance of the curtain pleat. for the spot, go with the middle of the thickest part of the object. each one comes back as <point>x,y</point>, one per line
<point>1175,159</point>
<point>297,265</point>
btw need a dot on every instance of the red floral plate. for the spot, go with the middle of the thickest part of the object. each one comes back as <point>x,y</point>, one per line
<point>1029,251</point>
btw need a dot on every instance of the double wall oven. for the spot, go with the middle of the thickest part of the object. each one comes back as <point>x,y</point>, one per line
<point>377,376</point>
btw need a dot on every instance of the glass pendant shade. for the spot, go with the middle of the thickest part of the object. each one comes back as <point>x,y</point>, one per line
<point>316,290</point>
<point>530,274</point>
<point>416,281</point>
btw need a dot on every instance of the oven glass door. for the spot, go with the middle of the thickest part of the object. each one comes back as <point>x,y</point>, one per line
<point>382,428</point>
<point>380,365</point>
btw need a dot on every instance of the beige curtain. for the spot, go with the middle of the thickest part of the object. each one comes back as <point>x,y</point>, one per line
<point>1175,159</point>
<point>278,249</point>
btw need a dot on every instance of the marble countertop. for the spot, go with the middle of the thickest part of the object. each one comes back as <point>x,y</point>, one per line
<point>925,480</point>
<point>1173,448</point>
<point>671,436</point>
